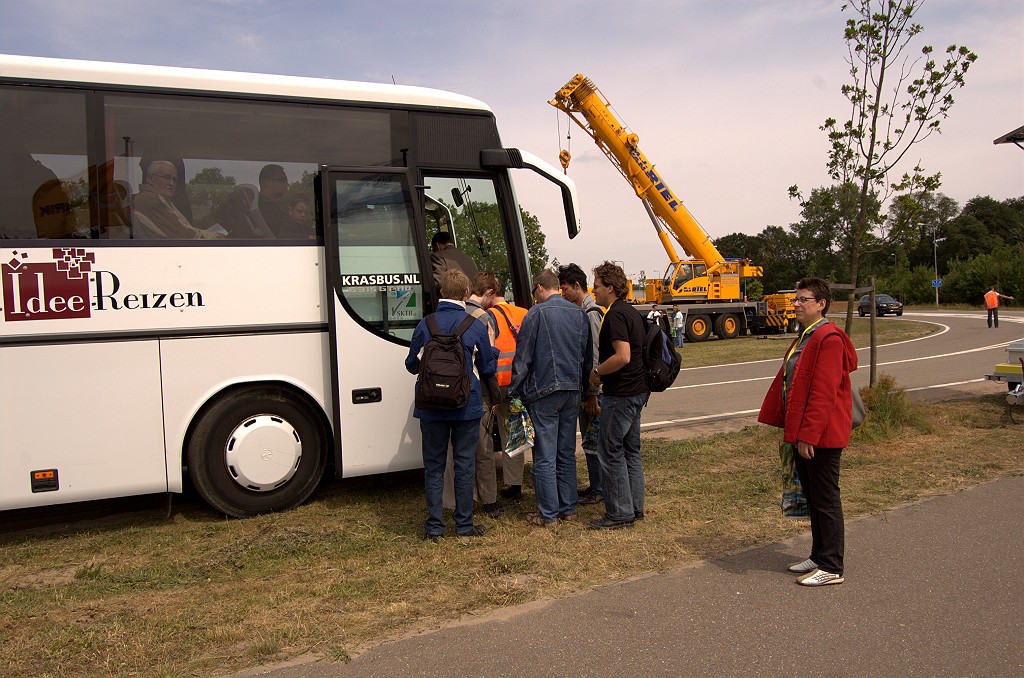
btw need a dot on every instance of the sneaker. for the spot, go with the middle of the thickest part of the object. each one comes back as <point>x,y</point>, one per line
<point>513,492</point>
<point>820,578</point>
<point>803,567</point>
<point>436,538</point>
<point>476,531</point>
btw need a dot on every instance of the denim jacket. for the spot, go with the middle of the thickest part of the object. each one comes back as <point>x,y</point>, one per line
<point>553,351</point>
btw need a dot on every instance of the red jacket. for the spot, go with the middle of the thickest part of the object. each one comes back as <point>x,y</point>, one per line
<point>819,401</point>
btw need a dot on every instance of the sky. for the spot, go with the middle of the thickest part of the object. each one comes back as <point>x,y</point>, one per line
<point>726,95</point>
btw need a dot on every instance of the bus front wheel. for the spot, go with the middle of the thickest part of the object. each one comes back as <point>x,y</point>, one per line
<point>257,450</point>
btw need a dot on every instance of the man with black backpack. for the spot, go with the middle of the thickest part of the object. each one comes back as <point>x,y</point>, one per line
<point>448,400</point>
<point>623,379</point>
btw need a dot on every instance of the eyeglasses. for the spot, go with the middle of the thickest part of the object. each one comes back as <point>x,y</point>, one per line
<point>802,300</point>
<point>167,177</point>
<point>534,290</point>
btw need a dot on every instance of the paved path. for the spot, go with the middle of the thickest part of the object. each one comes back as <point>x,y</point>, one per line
<point>932,589</point>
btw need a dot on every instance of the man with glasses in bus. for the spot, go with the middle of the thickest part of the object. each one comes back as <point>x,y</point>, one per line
<point>153,213</point>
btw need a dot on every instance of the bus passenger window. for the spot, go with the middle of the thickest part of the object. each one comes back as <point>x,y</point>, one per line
<point>44,177</point>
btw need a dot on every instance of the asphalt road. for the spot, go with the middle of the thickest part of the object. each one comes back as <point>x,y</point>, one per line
<point>932,589</point>
<point>948,364</point>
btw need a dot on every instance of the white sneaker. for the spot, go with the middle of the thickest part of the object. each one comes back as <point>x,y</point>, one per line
<point>820,578</point>
<point>804,566</point>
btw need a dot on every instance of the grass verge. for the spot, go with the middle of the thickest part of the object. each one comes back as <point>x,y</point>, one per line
<point>197,594</point>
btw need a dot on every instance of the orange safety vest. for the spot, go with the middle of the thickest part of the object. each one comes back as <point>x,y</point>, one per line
<point>991,299</point>
<point>505,342</point>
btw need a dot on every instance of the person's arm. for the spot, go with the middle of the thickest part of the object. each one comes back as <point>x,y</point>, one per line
<point>412,360</point>
<point>522,363</point>
<point>614,363</point>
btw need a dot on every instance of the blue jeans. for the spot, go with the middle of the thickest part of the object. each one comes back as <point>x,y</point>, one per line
<point>679,337</point>
<point>463,436</point>
<point>554,452</point>
<point>993,314</point>
<point>622,471</point>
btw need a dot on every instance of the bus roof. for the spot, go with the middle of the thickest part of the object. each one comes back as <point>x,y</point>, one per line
<point>202,80</point>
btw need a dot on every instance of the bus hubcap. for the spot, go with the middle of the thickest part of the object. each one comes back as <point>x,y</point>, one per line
<point>263,453</point>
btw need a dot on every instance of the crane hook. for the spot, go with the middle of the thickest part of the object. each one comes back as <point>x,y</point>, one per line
<point>564,158</point>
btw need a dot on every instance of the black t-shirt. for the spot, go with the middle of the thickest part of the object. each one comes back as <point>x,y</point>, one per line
<point>622,322</point>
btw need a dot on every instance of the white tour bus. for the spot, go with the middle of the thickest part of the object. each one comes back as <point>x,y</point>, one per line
<point>219,274</point>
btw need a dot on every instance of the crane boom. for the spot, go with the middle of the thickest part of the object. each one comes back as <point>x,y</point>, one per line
<point>581,97</point>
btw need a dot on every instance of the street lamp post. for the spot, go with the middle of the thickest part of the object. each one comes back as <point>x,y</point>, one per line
<point>935,249</point>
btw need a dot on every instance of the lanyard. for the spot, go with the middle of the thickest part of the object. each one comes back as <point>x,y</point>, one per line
<point>800,341</point>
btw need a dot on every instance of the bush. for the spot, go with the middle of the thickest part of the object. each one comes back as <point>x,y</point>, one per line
<point>888,411</point>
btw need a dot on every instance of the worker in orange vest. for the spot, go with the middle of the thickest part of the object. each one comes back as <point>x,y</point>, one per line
<point>992,304</point>
<point>505,320</point>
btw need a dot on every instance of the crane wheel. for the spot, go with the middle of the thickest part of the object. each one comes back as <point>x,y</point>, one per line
<point>727,326</point>
<point>698,328</point>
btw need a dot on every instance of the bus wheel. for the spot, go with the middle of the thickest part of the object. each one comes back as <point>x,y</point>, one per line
<point>256,451</point>
<point>698,328</point>
<point>727,326</point>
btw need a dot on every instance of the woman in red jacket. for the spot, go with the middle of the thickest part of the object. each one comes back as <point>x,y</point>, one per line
<point>811,401</point>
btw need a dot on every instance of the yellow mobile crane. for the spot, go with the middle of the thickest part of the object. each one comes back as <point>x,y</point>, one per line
<point>708,279</point>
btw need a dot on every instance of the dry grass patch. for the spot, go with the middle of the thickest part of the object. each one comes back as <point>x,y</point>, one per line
<point>197,594</point>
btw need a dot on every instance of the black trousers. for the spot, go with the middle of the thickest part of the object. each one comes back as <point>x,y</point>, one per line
<point>819,477</point>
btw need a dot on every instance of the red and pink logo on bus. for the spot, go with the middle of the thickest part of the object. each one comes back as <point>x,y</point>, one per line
<point>70,286</point>
<point>48,290</point>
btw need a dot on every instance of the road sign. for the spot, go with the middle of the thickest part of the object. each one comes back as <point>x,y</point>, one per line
<point>937,283</point>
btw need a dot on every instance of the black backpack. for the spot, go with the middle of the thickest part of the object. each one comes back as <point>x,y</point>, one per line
<point>661,360</point>
<point>443,382</point>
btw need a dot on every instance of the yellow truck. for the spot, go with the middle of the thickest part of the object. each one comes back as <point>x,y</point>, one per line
<point>707,284</point>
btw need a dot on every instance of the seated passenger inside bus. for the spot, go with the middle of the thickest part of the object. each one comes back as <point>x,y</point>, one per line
<point>154,216</point>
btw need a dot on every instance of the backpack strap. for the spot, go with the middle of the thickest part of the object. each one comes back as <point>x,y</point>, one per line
<point>596,308</point>
<point>515,332</point>
<point>466,323</point>
<point>432,325</point>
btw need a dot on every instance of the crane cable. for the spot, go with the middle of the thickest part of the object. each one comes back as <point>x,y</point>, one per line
<point>563,154</point>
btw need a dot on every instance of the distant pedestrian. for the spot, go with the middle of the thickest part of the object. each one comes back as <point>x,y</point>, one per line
<point>992,304</point>
<point>458,427</point>
<point>654,315</point>
<point>623,380</point>
<point>678,325</point>
<point>553,358</point>
<point>811,400</point>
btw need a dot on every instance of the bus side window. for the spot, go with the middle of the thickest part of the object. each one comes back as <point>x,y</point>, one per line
<point>43,167</point>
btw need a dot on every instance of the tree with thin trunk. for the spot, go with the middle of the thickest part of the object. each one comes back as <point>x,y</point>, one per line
<point>897,99</point>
